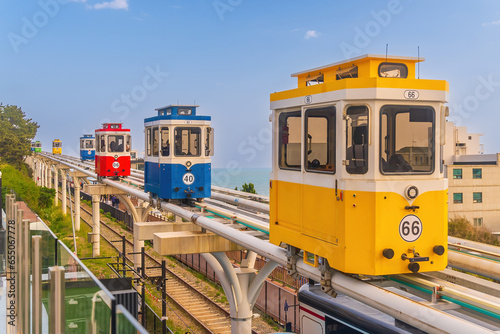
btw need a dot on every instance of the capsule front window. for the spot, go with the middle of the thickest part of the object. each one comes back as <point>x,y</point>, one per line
<point>407,139</point>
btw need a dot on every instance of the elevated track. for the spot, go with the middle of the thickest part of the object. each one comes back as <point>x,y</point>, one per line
<point>434,305</point>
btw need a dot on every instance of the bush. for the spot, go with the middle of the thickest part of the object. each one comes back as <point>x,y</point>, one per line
<point>461,228</point>
<point>46,197</point>
<point>248,188</point>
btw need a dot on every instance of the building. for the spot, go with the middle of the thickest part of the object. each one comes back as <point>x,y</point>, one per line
<point>473,179</point>
<point>473,184</point>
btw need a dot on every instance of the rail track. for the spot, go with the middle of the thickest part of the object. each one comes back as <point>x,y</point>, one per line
<point>184,292</point>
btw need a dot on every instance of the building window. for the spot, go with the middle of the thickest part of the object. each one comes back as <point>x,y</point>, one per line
<point>477,197</point>
<point>478,222</point>
<point>457,198</point>
<point>477,173</point>
<point>457,173</point>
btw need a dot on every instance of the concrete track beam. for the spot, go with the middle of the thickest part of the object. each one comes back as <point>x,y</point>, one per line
<point>146,230</point>
<point>102,189</point>
<point>170,243</point>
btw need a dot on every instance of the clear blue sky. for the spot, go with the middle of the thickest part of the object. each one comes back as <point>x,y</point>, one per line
<point>70,65</point>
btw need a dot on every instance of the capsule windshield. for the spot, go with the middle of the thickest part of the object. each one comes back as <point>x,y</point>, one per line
<point>187,142</point>
<point>407,139</point>
<point>115,143</point>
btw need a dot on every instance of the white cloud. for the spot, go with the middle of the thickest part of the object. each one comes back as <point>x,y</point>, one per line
<point>492,23</point>
<point>114,4</point>
<point>311,34</point>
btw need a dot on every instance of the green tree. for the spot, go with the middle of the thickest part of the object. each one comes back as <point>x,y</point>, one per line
<point>16,133</point>
<point>46,198</point>
<point>248,188</point>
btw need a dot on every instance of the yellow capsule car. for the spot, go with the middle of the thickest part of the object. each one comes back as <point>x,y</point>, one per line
<point>56,147</point>
<point>357,173</point>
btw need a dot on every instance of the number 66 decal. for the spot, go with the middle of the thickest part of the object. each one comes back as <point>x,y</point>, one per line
<point>410,228</point>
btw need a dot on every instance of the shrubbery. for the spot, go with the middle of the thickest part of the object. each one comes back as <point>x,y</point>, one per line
<point>39,199</point>
<point>462,228</point>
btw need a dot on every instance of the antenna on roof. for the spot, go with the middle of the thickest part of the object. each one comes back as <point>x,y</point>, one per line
<point>386,49</point>
<point>418,64</point>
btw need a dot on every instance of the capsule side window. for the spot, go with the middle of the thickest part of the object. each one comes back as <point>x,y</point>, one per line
<point>155,141</point>
<point>320,140</point>
<point>289,132</point>
<point>209,142</point>
<point>128,143</point>
<point>357,140</point>
<point>392,70</point>
<point>148,141</point>
<point>165,141</point>
<point>103,143</point>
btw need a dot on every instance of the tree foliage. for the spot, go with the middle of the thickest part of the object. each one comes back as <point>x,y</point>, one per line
<point>248,188</point>
<point>16,133</point>
<point>461,228</point>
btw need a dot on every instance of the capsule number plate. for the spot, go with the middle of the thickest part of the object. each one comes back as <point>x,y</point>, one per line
<point>411,94</point>
<point>188,179</point>
<point>410,228</point>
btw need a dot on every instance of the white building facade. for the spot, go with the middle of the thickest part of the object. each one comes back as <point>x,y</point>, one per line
<point>473,179</point>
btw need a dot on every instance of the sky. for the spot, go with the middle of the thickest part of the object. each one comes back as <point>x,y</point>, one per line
<point>72,65</point>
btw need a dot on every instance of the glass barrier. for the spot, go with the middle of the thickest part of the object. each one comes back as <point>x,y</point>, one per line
<point>89,305</point>
<point>126,323</point>
<point>48,246</point>
<point>152,321</point>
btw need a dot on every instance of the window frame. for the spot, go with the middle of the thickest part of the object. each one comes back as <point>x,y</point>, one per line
<point>117,137</point>
<point>368,135</point>
<point>190,128</point>
<point>461,174</point>
<point>480,200</point>
<point>163,128</point>
<point>480,173</point>
<point>155,130</point>
<point>391,63</point>
<point>296,113</point>
<point>478,221</point>
<point>148,141</point>
<point>333,135</point>
<point>456,201</point>
<point>381,140</point>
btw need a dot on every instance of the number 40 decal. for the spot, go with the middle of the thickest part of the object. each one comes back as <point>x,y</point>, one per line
<point>410,228</point>
<point>188,179</point>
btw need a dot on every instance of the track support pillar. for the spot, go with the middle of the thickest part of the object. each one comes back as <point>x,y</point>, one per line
<point>241,285</point>
<point>96,227</point>
<point>64,194</point>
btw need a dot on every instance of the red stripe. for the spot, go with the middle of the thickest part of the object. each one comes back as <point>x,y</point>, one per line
<point>312,313</point>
